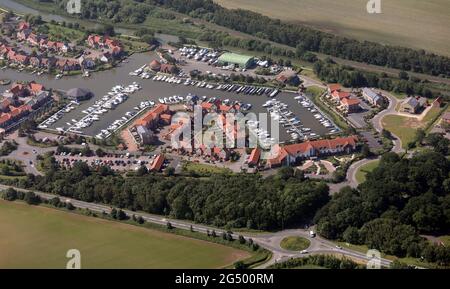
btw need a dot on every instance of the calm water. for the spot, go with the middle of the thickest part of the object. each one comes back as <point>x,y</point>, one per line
<point>101,82</point>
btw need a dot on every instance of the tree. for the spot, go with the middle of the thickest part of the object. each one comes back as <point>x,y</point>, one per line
<point>351,235</point>
<point>113,213</point>
<point>240,265</point>
<point>31,198</point>
<point>403,75</point>
<point>55,202</point>
<point>121,215</point>
<point>99,152</point>
<point>420,135</point>
<point>69,206</point>
<point>386,134</point>
<point>10,194</point>
<point>365,151</point>
<point>396,264</point>
<point>140,220</point>
<point>170,171</point>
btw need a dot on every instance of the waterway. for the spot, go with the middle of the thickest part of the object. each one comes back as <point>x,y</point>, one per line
<point>100,83</point>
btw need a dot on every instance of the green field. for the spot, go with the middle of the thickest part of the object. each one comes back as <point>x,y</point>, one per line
<point>294,243</point>
<point>204,168</point>
<point>39,237</point>
<point>367,168</point>
<point>403,127</point>
<point>410,23</point>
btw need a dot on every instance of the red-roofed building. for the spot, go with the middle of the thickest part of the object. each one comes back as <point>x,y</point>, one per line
<point>293,153</point>
<point>35,88</point>
<point>18,90</point>
<point>254,157</point>
<point>5,120</point>
<point>351,104</point>
<point>155,65</point>
<point>339,95</point>
<point>157,163</point>
<point>23,25</point>
<point>334,87</point>
<point>151,118</point>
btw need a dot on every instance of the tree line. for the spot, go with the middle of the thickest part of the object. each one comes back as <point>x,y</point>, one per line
<point>298,36</point>
<point>399,200</point>
<point>309,39</point>
<point>327,70</point>
<point>224,200</point>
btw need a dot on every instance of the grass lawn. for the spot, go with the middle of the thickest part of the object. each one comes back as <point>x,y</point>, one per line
<point>402,126</point>
<point>294,243</point>
<point>416,24</point>
<point>367,168</point>
<point>204,168</point>
<point>39,237</point>
<point>405,127</point>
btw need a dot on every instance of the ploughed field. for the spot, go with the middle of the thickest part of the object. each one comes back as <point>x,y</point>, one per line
<point>410,23</point>
<point>39,237</point>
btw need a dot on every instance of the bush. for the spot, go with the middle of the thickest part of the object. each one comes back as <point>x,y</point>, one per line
<point>31,198</point>
<point>10,194</point>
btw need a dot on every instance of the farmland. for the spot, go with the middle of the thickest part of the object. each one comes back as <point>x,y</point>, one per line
<point>39,237</point>
<point>410,23</point>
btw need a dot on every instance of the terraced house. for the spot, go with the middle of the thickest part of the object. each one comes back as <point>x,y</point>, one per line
<point>20,101</point>
<point>294,153</point>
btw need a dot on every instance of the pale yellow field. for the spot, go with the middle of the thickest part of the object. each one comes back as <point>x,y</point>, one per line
<point>412,23</point>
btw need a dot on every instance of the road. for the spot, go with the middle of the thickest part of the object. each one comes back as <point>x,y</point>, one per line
<point>25,153</point>
<point>377,124</point>
<point>269,241</point>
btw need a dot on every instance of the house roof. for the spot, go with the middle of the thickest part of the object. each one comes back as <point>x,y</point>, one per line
<point>350,101</point>
<point>235,58</point>
<point>340,94</point>
<point>254,156</point>
<point>35,87</point>
<point>157,163</point>
<point>155,65</point>
<point>370,94</point>
<point>413,102</point>
<point>78,92</point>
<point>152,114</point>
<point>302,148</point>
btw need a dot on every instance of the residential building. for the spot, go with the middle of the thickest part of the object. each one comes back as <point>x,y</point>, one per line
<point>291,154</point>
<point>157,163</point>
<point>413,104</point>
<point>254,157</point>
<point>289,77</point>
<point>146,136</point>
<point>373,97</point>
<point>350,105</point>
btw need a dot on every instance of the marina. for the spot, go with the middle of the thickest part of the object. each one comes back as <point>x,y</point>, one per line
<point>151,92</point>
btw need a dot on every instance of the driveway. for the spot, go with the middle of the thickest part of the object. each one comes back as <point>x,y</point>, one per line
<point>377,124</point>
